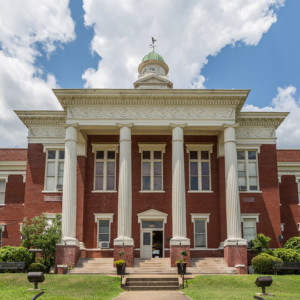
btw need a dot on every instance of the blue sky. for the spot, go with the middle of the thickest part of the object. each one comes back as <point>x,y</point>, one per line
<point>214,44</point>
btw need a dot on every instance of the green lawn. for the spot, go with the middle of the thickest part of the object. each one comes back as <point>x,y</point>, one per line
<point>15,286</point>
<point>242,287</point>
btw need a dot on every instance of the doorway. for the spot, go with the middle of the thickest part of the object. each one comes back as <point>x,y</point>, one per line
<point>152,239</point>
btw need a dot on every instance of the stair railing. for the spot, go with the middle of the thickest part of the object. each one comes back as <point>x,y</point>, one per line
<point>182,275</point>
<point>122,274</point>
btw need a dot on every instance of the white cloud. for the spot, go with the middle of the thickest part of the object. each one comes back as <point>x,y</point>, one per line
<point>25,26</point>
<point>289,131</point>
<point>187,33</point>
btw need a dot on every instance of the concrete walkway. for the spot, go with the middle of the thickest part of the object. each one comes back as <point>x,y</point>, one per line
<point>150,295</point>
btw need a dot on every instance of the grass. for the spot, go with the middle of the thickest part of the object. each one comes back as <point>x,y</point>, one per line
<point>16,286</point>
<point>242,287</point>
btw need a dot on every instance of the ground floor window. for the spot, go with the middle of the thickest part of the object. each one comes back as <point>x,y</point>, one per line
<point>103,229</point>
<point>200,229</point>
<point>0,237</point>
<point>249,226</point>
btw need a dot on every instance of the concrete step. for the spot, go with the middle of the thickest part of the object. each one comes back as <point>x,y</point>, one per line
<point>151,283</point>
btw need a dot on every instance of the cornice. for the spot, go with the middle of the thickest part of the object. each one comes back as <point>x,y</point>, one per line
<point>77,97</point>
<point>41,117</point>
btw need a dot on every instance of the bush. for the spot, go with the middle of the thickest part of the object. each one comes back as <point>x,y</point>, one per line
<point>293,243</point>
<point>16,254</point>
<point>37,267</point>
<point>260,242</point>
<point>263,263</point>
<point>288,255</point>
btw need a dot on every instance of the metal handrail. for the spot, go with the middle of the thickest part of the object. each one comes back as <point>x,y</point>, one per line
<point>122,274</point>
<point>38,295</point>
<point>182,275</point>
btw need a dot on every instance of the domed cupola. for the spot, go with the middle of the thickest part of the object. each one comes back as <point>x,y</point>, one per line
<point>153,72</point>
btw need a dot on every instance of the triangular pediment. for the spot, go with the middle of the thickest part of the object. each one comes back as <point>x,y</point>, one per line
<point>152,214</point>
<point>153,80</point>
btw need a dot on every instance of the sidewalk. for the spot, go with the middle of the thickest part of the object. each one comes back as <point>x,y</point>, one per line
<point>150,295</point>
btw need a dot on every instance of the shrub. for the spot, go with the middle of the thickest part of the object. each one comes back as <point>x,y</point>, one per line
<point>293,243</point>
<point>16,254</point>
<point>288,255</point>
<point>260,242</point>
<point>263,263</point>
<point>37,267</point>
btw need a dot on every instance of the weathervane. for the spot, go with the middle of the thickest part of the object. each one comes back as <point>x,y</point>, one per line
<point>153,42</point>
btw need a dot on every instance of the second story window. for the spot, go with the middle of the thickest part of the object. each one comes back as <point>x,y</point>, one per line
<point>2,191</point>
<point>247,170</point>
<point>152,166</point>
<point>54,170</point>
<point>199,167</point>
<point>299,192</point>
<point>105,167</point>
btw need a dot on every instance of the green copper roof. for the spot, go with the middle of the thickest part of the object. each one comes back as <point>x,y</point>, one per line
<point>153,56</point>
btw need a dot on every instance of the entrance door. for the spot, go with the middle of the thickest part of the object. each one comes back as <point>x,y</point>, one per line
<point>146,249</point>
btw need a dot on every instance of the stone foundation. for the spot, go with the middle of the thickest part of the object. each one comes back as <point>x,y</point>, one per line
<point>236,256</point>
<point>175,254</point>
<point>66,255</point>
<point>128,254</point>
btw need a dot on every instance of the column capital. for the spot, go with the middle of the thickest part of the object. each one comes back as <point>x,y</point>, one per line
<point>74,125</point>
<point>230,125</point>
<point>175,125</point>
<point>128,125</point>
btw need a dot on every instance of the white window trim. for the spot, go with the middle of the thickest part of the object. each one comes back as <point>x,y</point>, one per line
<point>246,160</point>
<point>105,148</point>
<point>198,148</point>
<point>282,227</point>
<point>250,216</point>
<point>57,148</point>
<point>298,226</point>
<point>5,179</point>
<point>152,147</point>
<point>298,188</point>
<point>104,216</point>
<point>198,216</point>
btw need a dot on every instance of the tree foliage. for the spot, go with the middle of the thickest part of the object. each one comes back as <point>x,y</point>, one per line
<point>38,234</point>
<point>293,243</point>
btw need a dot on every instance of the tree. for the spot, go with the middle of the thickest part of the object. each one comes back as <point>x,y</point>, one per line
<point>38,234</point>
<point>260,243</point>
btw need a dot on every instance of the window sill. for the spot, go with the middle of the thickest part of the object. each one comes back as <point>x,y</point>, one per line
<point>52,192</point>
<point>250,192</point>
<point>2,205</point>
<point>192,192</point>
<point>101,192</point>
<point>161,192</point>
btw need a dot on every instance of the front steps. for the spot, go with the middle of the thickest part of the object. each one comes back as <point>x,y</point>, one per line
<point>151,283</point>
<point>152,266</point>
<point>210,265</point>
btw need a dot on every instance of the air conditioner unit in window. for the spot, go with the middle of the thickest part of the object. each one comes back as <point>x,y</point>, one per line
<point>242,188</point>
<point>59,187</point>
<point>104,245</point>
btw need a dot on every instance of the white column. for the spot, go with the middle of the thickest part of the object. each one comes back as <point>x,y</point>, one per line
<point>233,212</point>
<point>125,188</point>
<point>69,188</point>
<point>178,189</point>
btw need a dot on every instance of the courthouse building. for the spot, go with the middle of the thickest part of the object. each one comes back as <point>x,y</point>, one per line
<point>152,170</point>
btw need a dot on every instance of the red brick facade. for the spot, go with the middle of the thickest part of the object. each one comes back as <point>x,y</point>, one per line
<point>28,199</point>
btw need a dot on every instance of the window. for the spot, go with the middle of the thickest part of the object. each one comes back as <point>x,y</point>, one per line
<point>105,171</point>
<point>54,170</point>
<point>0,237</point>
<point>103,229</point>
<point>249,226</point>
<point>105,167</point>
<point>298,192</point>
<point>2,191</point>
<point>199,166</point>
<point>200,229</point>
<point>152,166</point>
<point>247,170</point>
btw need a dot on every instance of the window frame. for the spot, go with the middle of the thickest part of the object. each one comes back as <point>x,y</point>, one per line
<point>203,217</point>
<point>152,148</point>
<point>5,180</point>
<point>199,148</point>
<point>2,229</point>
<point>57,160</point>
<point>105,148</point>
<point>246,162</point>
<point>252,216</point>
<point>103,217</point>
<point>298,187</point>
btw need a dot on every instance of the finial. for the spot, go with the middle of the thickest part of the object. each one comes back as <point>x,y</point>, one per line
<point>153,42</point>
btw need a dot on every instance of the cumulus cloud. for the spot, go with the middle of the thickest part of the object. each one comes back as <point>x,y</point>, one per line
<point>289,131</point>
<point>187,33</point>
<point>26,27</point>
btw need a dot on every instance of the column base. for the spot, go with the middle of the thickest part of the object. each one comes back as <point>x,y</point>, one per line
<point>66,257</point>
<point>175,251</point>
<point>69,241</point>
<point>123,241</point>
<point>235,254</point>
<point>128,255</point>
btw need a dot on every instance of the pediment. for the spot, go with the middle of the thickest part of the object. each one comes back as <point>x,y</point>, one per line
<point>153,79</point>
<point>152,214</point>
